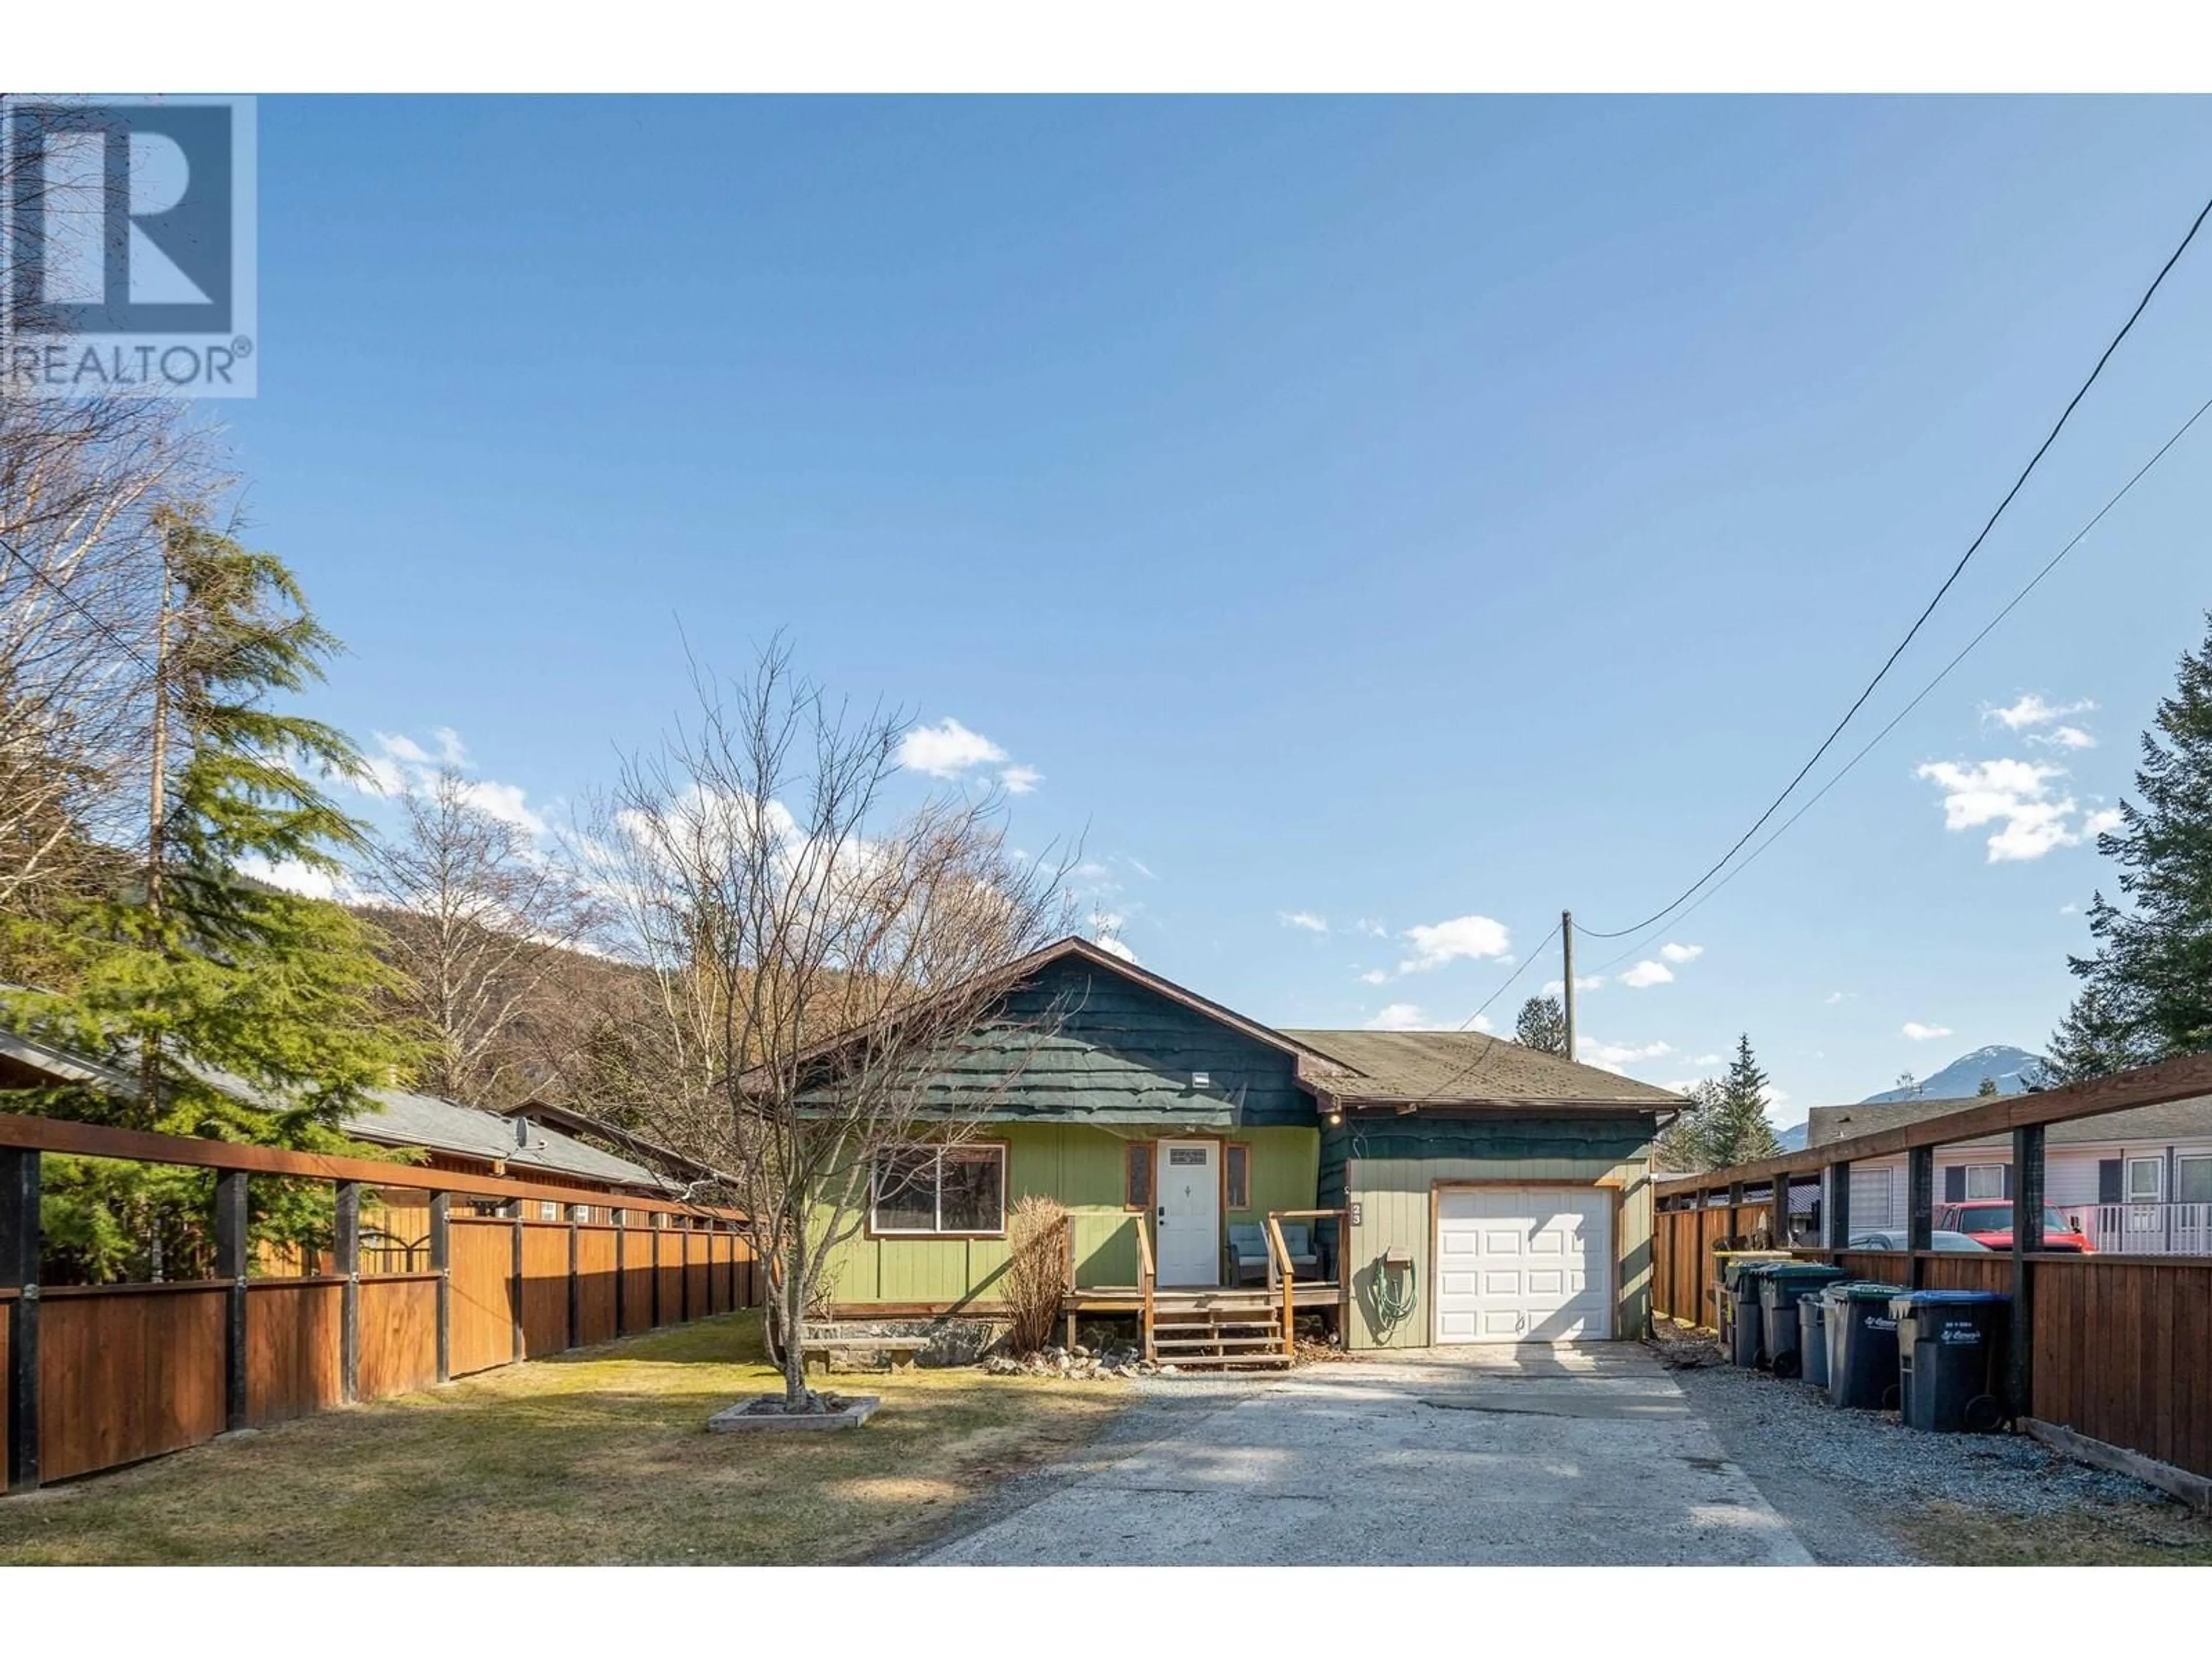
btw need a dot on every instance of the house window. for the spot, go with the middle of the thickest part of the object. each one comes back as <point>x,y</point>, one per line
<point>2146,1179</point>
<point>1137,1175</point>
<point>2192,1180</point>
<point>1236,1176</point>
<point>1985,1181</point>
<point>932,1189</point>
<point>548,1211</point>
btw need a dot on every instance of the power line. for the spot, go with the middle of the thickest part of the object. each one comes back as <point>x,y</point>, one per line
<point>1477,1063</point>
<point>77,605</point>
<point>1890,662</point>
<point>1896,719</point>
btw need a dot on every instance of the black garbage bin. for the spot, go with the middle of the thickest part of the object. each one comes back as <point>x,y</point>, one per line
<point>1727,1265</point>
<point>1747,1329</point>
<point>1949,1347</point>
<point>1812,1339</point>
<point>1862,1344</point>
<point>1779,1288</point>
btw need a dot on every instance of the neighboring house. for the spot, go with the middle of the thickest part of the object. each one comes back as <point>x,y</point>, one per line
<point>454,1137</point>
<point>1479,1191</point>
<point>2137,1183</point>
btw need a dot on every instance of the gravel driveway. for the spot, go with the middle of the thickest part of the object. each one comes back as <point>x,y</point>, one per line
<point>1473,1456</point>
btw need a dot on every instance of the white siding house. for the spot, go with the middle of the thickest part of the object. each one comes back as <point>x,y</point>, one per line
<point>2137,1183</point>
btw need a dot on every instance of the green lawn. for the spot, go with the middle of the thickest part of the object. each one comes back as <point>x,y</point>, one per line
<point>600,1457</point>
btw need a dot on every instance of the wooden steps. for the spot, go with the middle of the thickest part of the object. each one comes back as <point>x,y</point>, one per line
<point>1217,1330</point>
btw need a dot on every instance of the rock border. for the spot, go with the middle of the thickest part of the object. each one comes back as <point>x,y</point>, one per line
<point>739,1419</point>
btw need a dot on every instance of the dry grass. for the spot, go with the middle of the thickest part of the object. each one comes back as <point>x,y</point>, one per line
<point>2101,1535</point>
<point>600,1457</point>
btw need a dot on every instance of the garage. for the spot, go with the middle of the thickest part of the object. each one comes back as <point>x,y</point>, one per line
<point>1523,1264</point>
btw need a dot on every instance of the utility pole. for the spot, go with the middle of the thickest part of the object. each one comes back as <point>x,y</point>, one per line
<point>1567,955</point>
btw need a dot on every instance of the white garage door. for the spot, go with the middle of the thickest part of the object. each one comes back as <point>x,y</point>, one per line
<point>1523,1264</point>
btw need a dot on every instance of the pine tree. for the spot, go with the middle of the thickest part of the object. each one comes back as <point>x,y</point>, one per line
<point>1542,1025</point>
<point>1986,1088</point>
<point>191,964</point>
<point>1681,1147</point>
<point>1734,1129</point>
<point>2152,971</point>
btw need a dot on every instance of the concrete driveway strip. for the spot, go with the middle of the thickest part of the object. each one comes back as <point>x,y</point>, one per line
<point>1471,1456</point>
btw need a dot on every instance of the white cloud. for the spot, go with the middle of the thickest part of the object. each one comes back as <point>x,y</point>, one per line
<point>1303,919</point>
<point>1113,947</point>
<point>291,875</point>
<point>2031,710</point>
<point>1552,988</point>
<point>2063,737</point>
<point>1920,1033</point>
<point>1021,779</point>
<point>946,749</point>
<point>1679,954</point>
<point>1400,1017</point>
<point>403,749</point>
<point>1647,973</point>
<point>2069,908</point>
<point>1835,997</point>
<point>1375,976</point>
<point>1435,943</point>
<point>1618,1056</point>
<point>1139,865</point>
<point>451,751</point>
<point>2102,822</point>
<point>1371,927</point>
<point>1709,1059</point>
<point>503,801</point>
<point>2016,795</point>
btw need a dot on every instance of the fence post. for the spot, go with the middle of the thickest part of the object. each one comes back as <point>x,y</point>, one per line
<point>1919,1208</point>
<point>348,1265</point>
<point>683,1270</point>
<point>441,1263</point>
<point>1839,1207</point>
<point>574,1305</point>
<point>20,1251</point>
<point>2028,1185</point>
<point>515,1285</point>
<point>659,1225</point>
<point>230,1248</point>
<point>621,1276</point>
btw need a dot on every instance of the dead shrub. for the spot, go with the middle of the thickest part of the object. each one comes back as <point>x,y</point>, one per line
<point>1036,1255</point>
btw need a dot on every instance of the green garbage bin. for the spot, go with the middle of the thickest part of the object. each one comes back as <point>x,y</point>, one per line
<point>1812,1339</point>
<point>1726,1265</point>
<point>1949,1346</point>
<point>1779,1288</point>
<point>1862,1344</point>
<point>1748,1329</point>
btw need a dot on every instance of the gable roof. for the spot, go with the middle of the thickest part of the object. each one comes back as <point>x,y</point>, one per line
<point>1467,1068</point>
<point>400,1119</point>
<point>2178,1120</point>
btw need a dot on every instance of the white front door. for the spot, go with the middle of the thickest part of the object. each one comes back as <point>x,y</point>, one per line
<point>1523,1264</point>
<point>1188,1180</point>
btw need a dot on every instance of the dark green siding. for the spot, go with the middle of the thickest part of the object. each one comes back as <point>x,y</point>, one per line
<point>1114,1052</point>
<point>1423,1137</point>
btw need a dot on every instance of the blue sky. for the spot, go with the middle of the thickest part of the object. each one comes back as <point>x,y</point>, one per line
<point>1384,514</point>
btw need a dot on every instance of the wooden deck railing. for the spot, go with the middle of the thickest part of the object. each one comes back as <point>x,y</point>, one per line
<point>1147,1280</point>
<point>99,1376</point>
<point>1281,1269</point>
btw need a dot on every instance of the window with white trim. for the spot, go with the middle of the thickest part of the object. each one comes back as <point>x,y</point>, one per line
<point>1985,1181</point>
<point>2192,1179</point>
<point>925,1190</point>
<point>2146,1179</point>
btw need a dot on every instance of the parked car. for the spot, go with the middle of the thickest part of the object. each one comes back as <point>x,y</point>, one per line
<point>1941,1239</point>
<point>1991,1223</point>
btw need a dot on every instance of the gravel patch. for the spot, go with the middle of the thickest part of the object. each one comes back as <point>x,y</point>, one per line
<point>1842,1477</point>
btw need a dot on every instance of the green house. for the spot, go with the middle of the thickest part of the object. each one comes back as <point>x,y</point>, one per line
<point>1418,1188</point>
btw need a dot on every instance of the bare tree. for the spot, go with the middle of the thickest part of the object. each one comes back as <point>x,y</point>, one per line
<point>483,921</point>
<point>819,966</point>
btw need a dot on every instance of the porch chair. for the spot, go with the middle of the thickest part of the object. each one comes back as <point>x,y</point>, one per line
<point>1247,1252</point>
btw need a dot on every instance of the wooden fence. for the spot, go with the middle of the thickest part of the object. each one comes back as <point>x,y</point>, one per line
<point>2115,1348</point>
<point>100,1375</point>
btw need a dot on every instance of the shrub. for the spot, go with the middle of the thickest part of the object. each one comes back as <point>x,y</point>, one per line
<point>1035,1257</point>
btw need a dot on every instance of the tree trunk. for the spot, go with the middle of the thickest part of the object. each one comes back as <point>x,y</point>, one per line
<point>794,1329</point>
<point>157,811</point>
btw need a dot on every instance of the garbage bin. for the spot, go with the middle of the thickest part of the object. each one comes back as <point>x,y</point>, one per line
<point>1726,1265</point>
<point>1949,1345</point>
<point>1812,1339</point>
<point>1779,1288</point>
<point>1862,1344</point>
<point>1747,1328</point>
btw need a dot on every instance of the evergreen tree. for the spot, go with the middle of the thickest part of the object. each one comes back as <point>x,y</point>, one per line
<point>1681,1147</point>
<point>189,964</point>
<point>2152,971</point>
<point>1542,1025</point>
<point>1734,1129</point>
<point>1986,1088</point>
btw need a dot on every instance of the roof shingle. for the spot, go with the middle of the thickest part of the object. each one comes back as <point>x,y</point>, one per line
<point>1467,1068</point>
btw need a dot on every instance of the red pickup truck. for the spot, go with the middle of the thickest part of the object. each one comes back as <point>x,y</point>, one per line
<point>1990,1224</point>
